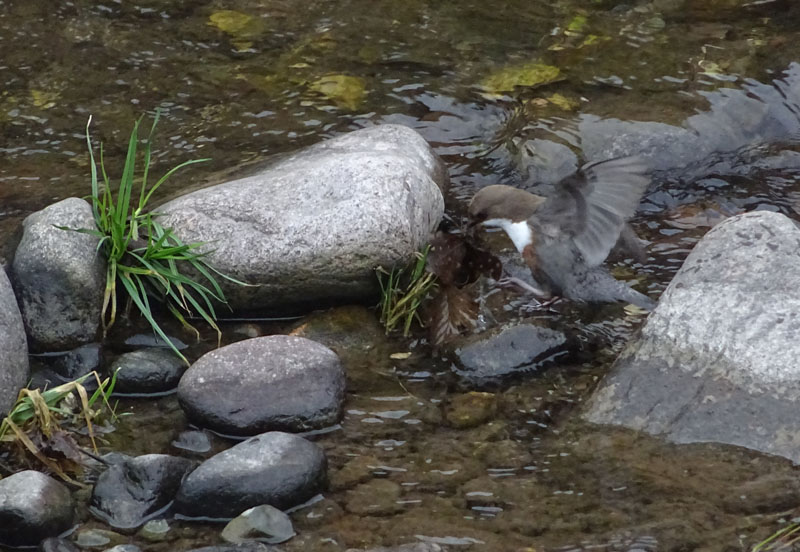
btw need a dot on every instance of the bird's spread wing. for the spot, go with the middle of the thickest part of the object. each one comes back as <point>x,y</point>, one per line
<point>592,206</point>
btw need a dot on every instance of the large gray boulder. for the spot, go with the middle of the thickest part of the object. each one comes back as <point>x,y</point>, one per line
<point>315,225</point>
<point>717,360</point>
<point>14,368</point>
<point>59,277</point>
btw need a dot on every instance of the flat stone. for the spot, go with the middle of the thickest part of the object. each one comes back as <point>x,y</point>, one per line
<point>717,359</point>
<point>314,226</point>
<point>263,523</point>
<point>274,468</point>
<point>33,507</point>
<point>59,277</point>
<point>14,368</point>
<point>267,383</point>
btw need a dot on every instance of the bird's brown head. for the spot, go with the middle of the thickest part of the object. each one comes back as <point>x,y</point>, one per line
<point>502,202</point>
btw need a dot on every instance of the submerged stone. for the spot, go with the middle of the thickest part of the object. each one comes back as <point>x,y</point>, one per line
<point>60,277</point>
<point>279,382</point>
<point>717,359</point>
<point>263,523</point>
<point>33,507</point>
<point>312,227</point>
<point>274,468</point>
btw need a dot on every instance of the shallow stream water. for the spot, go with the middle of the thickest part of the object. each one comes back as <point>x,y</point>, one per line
<point>238,81</point>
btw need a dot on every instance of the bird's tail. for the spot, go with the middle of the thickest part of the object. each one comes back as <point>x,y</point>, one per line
<point>600,286</point>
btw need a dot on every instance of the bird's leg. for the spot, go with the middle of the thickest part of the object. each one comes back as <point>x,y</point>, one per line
<point>510,282</point>
<point>535,305</point>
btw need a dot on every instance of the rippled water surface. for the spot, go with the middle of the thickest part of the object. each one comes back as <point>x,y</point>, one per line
<point>238,81</point>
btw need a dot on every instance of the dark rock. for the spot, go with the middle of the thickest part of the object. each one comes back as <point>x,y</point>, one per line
<point>717,359</point>
<point>33,507</point>
<point>375,191</point>
<point>77,362</point>
<point>267,383</point>
<point>130,492</point>
<point>262,523</point>
<point>55,544</point>
<point>193,441</point>
<point>147,371</point>
<point>521,348</point>
<point>279,469</point>
<point>60,277</point>
<point>14,369</point>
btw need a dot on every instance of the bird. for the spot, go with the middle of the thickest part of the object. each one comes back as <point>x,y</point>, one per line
<point>564,239</point>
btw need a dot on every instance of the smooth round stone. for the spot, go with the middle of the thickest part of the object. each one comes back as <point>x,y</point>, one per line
<point>275,468</point>
<point>279,382</point>
<point>147,371</point>
<point>55,544</point>
<point>33,507</point>
<point>97,538</point>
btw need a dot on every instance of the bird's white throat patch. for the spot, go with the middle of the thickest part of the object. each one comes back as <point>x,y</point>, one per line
<point>519,232</point>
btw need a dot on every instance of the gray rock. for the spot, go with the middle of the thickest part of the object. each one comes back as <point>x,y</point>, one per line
<point>77,362</point>
<point>98,538</point>
<point>520,348</point>
<point>147,371</point>
<point>33,507</point>
<point>279,469</point>
<point>55,544</point>
<point>124,548</point>
<point>263,523</point>
<point>134,490</point>
<point>277,382</point>
<point>59,277</point>
<point>14,369</point>
<point>717,359</point>
<point>314,226</point>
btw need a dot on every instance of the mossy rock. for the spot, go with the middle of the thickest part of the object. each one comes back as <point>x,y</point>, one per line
<point>529,74</point>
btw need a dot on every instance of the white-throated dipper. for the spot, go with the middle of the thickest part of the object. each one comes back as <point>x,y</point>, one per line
<point>564,239</point>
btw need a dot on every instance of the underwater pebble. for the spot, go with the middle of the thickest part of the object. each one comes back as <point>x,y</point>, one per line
<point>263,523</point>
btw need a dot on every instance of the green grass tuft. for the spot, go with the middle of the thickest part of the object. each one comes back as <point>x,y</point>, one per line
<point>145,259</point>
<point>402,293</point>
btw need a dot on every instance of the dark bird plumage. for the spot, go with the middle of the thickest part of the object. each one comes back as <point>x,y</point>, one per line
<point>564,239</point>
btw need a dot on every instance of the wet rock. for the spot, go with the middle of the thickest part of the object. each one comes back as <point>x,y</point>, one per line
<point>267,383</point>
<point>33,507</point>
<point>262,523</point>
<point>376,498</point>
<point>275,468</point>
<point>55,544</point>
<point>14,367</point>
<point>124,548</point>
<point>155,530</point>
<point>193,441</point>
<point>98,538</point>
<point>59,277</point>
<point>717,359</point>
<point>470,409</point>
<point>512,350</point>
<point>77,362</point>
<point>147,371</point>
<point>375,192</point>
<point>129,492</point>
